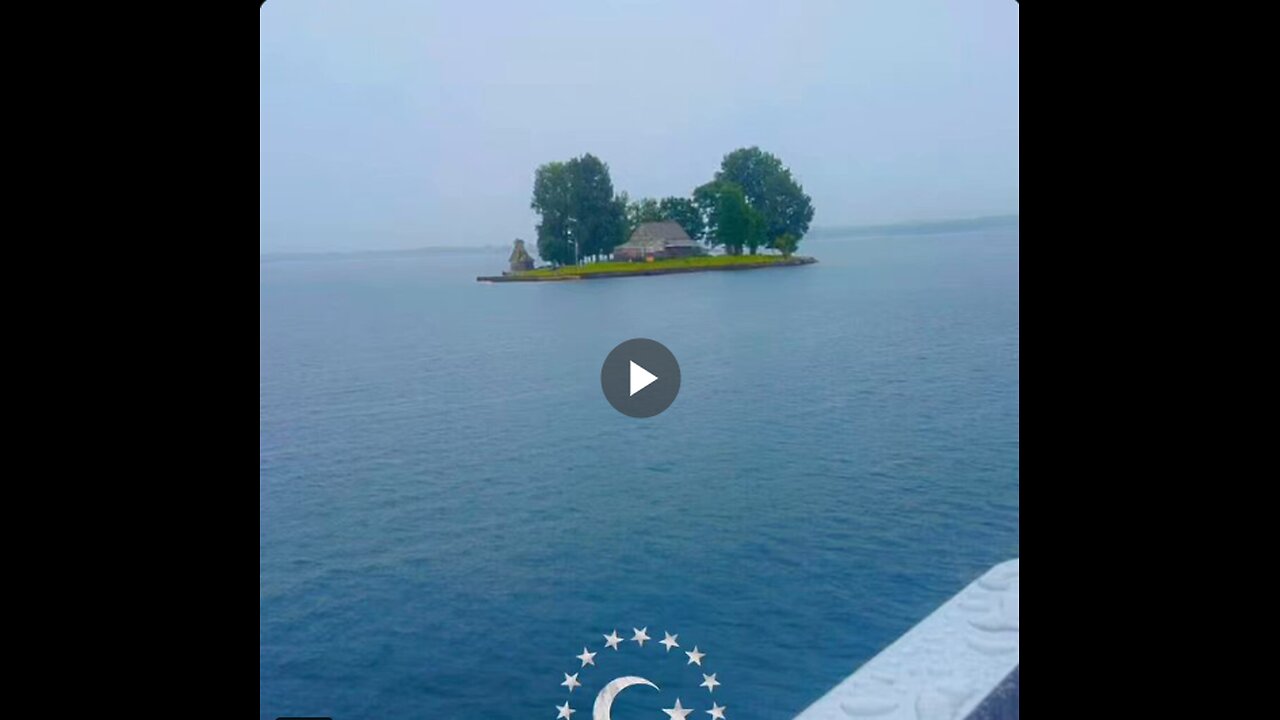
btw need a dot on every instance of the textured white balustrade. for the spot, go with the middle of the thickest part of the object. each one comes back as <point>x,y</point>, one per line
<point>945,666</point>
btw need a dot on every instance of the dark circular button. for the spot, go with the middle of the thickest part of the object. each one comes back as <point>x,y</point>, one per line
<point>640,378</point>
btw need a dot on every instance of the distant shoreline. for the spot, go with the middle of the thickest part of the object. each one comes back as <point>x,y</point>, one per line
<point>645,270</point>
<point>817,233</point>
<point>938,227</point>
<point>408,252</point>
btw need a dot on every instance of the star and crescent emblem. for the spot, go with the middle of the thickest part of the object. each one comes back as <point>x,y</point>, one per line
<point>603,704</point>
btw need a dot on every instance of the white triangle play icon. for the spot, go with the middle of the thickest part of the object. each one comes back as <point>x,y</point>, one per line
<point>640,378</point>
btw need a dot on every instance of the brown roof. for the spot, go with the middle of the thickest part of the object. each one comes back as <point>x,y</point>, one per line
<point>658,236</point>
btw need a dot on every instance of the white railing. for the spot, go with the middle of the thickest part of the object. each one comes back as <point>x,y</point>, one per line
<point>959,662</point>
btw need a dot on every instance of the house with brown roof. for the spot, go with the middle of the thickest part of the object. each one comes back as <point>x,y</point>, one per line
<point>657,241</point>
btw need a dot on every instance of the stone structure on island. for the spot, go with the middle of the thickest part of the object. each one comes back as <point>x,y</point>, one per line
<point>520,258</point>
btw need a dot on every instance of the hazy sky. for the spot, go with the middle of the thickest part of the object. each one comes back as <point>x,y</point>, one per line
<point>408,123</point>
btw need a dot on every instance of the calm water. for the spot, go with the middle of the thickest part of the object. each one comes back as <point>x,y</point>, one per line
<point>450,510</point>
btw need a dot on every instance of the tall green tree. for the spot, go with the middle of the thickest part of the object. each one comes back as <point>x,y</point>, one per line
<point>601,225</point>
<point>770,189</point>
<point>731,222</point>
<point>754,230</point>
<point>580,216</point>
<point>706,198</point>
<point>553,200</point>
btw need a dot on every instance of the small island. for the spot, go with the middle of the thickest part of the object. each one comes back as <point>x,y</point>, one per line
<point>660,248</point>
<point>707,263</point>
<point>587,232</point>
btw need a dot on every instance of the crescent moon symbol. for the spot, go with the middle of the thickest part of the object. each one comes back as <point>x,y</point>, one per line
<point>604,701</point>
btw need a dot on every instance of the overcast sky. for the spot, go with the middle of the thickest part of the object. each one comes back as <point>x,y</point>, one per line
<point>407,123</point>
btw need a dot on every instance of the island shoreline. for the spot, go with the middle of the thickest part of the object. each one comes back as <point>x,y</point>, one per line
<point>645,272</point>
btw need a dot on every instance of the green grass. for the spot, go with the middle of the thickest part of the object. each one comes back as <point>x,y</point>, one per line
<point>704,261</point>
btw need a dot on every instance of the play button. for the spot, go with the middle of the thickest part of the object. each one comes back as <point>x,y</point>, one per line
<point>640,378</point>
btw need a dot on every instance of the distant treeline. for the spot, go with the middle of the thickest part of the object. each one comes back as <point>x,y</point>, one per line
<point>917,228</point>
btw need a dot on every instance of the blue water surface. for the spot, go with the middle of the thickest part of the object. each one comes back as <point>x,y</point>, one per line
<point>450,510</point>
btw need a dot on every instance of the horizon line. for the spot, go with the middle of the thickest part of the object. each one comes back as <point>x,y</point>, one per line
<point>828,230</point>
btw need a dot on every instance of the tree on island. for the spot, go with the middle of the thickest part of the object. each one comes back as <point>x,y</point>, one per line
<point>770,190</point>
<point>581,217</point>
<point>731,222</point>
<point>786,244</point>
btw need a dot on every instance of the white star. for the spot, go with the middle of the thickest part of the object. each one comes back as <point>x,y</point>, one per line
<point>670,640</point>
<point>716,711</point>
<point>677,712</point>
<point>571,681</point>
<point>695,656</point>
<point>612,640</point>
<point>709,682</point>
<point>587,658</point>
<point>565,711</point>
<point>641,636</point>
